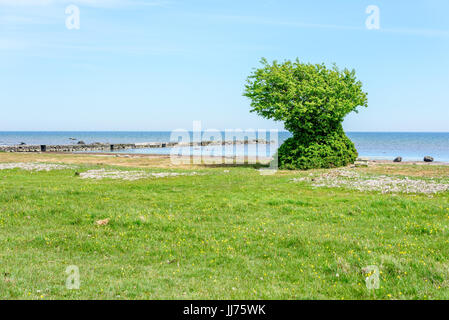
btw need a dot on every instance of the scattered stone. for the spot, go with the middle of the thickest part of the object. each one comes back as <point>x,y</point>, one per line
<point>344,178</point>
<point>81,142</point>
<point>102,222</point>
<point>428,159</point>
<point>129,175</point>
<point>398,159</point>
<point>23,144</point>
<point>34,166</point>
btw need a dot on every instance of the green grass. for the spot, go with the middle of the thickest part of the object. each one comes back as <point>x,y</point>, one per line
<point>236,235</point>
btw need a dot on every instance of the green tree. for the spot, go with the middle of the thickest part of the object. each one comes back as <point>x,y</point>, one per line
<point>312,101</point>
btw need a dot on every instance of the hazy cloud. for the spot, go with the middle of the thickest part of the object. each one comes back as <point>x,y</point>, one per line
<point>90,3</point>
<point>295,24</point>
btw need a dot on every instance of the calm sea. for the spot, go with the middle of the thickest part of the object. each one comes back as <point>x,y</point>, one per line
<point>375,145</point>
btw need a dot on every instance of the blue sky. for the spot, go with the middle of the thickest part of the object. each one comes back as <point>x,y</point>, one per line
<point>159,65</point>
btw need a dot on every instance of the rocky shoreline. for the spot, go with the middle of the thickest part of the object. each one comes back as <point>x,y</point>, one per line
<point>120,146</point>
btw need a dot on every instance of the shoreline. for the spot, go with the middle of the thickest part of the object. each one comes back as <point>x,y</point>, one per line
<point>110,153</point>
<point>121,149</point>
<point>98,146</point>
<point>412,162</point>
<point>250,158</point>
<point>376,146</point>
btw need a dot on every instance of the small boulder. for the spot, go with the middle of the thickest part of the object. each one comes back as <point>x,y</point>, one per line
<point>398,159</point>
<point>22,143</point>
<point>102,222</point>
<point>81,142</point>
<point>428,159</point>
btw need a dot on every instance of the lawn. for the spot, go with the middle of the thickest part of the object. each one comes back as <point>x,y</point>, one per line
<point>223,233</point>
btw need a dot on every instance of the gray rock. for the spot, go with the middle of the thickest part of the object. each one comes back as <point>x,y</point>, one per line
<point>428,159</point>
<point>398,159</point>
<point>81,142</point>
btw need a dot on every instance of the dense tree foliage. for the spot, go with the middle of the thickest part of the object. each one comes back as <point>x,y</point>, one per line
<point>312,101</point>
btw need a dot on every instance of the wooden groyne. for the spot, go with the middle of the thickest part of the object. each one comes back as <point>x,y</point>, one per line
<point>120,146</point>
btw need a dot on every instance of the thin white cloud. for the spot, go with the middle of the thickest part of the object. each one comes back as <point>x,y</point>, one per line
<point>293,24</point>
<point>12,19</point>
<point>18,3</point>
<point>11,44</point>
<point>418,32</point>
<point>15,13</point>
<point>33,47</point>
<point>266,21</point>
<point>90,3</point>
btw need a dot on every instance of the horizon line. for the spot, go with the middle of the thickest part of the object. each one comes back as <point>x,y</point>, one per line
<point>221,130</point>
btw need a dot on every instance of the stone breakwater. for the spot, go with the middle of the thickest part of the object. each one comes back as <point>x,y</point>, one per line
<point>120,146</point>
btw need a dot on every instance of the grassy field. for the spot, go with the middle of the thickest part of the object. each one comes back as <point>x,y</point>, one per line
<point>225,233</point>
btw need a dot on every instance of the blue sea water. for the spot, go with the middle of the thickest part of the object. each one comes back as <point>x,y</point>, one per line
<point>375,145</point>
<point>409,145</point>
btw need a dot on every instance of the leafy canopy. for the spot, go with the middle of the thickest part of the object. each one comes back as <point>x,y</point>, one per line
<point>310,99</point>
